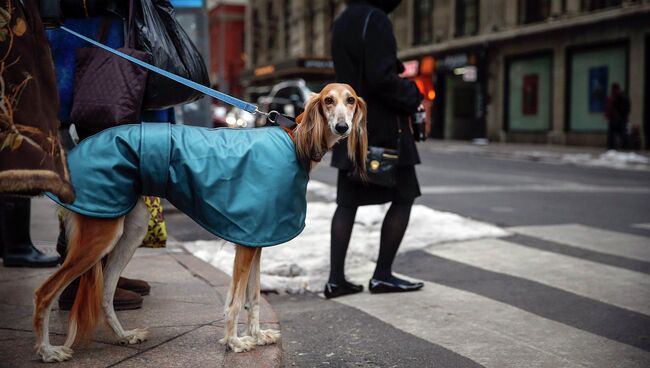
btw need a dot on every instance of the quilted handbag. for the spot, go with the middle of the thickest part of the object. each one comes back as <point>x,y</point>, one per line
<point>108,90</point>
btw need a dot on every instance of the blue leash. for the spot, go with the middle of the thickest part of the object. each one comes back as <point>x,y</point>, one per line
<point>248,107</point>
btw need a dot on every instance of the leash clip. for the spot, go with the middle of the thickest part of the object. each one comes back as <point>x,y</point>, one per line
<point>271,116</point>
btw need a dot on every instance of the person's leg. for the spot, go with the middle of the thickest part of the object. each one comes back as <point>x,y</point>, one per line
<point>342,223</point>
<point>341,231</point>
<point>611,135</point>
<point>16,247</point>
<point>392,233</point>
<point>623,134</point>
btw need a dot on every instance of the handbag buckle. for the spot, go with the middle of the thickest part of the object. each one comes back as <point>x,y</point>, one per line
<point>374,165</point>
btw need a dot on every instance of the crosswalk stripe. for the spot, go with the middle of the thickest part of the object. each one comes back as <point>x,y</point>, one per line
<point>613,285</point>
<point>539,188</point>
<point>492,333</point>
<point>604,241</point>
<point>642,226</point>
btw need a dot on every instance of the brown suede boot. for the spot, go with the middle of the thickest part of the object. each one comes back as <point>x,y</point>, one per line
<point>137,286</point>
<point>122,300</point>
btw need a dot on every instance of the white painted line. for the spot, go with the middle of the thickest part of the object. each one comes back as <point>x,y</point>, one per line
<point>548,188</point>
<point>604,241</point>
<point>642,226</point>
<point>612,285</point>
<point>494,334</point>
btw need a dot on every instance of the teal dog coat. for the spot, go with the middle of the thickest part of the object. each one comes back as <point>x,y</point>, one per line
<point>243,185</point>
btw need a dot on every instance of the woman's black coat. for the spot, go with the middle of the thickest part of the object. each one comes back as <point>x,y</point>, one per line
<point>390,98</point>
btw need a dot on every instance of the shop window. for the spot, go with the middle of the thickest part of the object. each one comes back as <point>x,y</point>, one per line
<point>422,22</point>
<point>591,75</point>
<point>590,5</point>
<point>466,17</point>
<point>529,94</point>
<point>533,11</point>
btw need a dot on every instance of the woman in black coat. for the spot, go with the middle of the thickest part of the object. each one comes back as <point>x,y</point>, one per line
<point>367,60</point>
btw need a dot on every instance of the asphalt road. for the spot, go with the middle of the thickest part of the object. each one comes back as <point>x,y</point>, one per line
<point>569,287</point>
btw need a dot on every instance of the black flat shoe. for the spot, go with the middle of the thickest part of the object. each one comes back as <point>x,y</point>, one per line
<point>393,285</point>
<point>346,288</point>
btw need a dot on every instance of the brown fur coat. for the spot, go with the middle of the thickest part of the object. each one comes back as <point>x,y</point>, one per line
<point>31,158</point>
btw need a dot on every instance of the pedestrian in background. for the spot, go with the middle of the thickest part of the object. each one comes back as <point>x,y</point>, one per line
<point>617,112</point>
<point>364,51</point>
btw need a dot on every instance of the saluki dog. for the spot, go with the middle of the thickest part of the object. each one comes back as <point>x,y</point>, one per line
<point>330,116</point>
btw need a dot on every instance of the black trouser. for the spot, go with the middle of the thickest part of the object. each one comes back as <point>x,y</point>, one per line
<point>616,132</point>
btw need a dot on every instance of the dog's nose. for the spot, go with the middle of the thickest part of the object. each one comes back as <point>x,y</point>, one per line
<point>341,127</point>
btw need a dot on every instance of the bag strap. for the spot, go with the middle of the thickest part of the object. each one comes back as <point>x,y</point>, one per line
<point>362,75</point>
<point>246,106</point>
<point>362,67</point>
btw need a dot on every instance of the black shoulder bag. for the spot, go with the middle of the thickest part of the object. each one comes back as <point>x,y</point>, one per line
<point>381,162</point>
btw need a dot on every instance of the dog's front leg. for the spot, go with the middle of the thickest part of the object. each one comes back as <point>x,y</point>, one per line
<point>243,262</point>
<point>262,337</point>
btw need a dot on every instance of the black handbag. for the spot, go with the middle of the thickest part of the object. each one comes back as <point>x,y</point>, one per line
<point>170,48</point>
<point>381,163</point>
<point>381,167</point>
<point>108,91</point>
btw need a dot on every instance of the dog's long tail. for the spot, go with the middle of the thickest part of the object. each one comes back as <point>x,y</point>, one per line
<point>87,311</point>
<point>90,240</point>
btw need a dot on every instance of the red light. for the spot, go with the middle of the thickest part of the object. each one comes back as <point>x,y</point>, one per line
<point>420,85</point>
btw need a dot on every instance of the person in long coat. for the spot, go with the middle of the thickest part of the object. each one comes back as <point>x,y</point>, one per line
<point>364,51</point>
<point>32,160</point>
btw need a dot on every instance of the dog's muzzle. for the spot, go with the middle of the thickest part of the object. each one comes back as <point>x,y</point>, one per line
<point>342,128</point>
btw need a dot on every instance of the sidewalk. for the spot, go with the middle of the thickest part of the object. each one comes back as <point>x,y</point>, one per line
<point>183,313</point>
<point>573,155</point>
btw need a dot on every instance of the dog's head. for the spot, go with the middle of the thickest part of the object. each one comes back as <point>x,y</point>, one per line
<point>331,115</point>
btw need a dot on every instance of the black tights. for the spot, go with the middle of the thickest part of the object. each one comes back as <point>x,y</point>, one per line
<point>392,232</point>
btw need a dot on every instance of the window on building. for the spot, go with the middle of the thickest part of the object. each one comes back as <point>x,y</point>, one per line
<point>589,5</point>
<point>311,35</point>
<point>272,24</point>
<point>466,17</point>
<point>533,11</point>
<point>256,37</point>
<point>422,22</point>
<point>287,26</point>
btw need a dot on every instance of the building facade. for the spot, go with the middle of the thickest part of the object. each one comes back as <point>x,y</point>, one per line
<point>535,71</point>
<point>227,24</point>
<point>288,39</point>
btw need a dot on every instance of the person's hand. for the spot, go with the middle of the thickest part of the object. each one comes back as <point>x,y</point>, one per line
<point>418,121</point>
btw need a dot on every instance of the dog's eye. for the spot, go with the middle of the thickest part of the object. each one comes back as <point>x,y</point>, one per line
<point>351,100</point>
<point>329,100</point>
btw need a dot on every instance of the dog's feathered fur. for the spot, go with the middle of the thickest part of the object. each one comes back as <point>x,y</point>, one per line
<point>90,239</point>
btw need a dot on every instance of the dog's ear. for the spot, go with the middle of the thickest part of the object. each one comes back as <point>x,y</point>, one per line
<point>310,131</point>
<point>358,139</point>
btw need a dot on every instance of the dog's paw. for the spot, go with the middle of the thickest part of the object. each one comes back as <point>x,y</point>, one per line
<point>134,336</point>
<point>268,337</point>
<point>51,354</point>
<point>238,344</point>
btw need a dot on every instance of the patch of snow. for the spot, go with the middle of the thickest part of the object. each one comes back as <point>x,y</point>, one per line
<point>303,263</point>
<point>610,159</point>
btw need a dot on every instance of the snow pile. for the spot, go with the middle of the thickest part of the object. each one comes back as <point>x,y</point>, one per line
<point>303,263</point>
<point>610,159</point>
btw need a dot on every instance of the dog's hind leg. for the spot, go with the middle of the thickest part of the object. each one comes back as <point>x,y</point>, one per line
<point>262,337</point>
<point>135,229</point>
<point>243,262</point>
<point>89,240</point>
